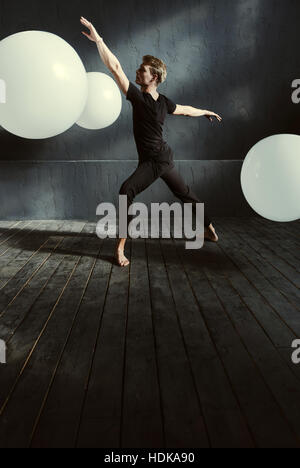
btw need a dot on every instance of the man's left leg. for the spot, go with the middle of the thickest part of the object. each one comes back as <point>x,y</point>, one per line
<point>182,191</point>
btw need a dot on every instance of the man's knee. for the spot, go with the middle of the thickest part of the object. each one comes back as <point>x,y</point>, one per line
<point>183,194</point>
<point>126,189</point>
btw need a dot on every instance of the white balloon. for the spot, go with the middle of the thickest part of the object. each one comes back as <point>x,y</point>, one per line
<point>270,177</point>
<point>46,84</point>
<point>104,102</point>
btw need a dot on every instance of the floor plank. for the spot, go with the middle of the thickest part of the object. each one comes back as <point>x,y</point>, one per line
<point>280,242</point>
<point>101,415</point>
<point>11,233</point>
<point>142,418</point>
<point>59,419</point>
<point>274,275</point>
<point>181,349</point>
<point>184,424</point>
<point>281,381</point>
<point>219,301</point>
<point>224,419</point>
<point>23,247</point>
<point>247,261</point>
<point>21,347</point>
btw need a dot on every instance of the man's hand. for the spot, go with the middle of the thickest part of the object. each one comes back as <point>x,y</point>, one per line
<point>93,36</point>
<point>108,58</point>
<point>209,115</point>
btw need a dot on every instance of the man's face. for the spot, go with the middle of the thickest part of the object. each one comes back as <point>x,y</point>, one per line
<point>144,76</point>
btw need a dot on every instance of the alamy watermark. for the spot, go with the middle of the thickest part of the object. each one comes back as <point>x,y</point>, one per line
<point>138,227</point>
<point>2,352</point>
<point>296,93</point>
<point>2,91</point>
<point>296,353</point>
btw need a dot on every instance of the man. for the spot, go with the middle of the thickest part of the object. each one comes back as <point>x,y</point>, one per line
<point>149,111</point>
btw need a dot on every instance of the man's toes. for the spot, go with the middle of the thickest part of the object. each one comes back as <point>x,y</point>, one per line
<point>119,261</point>
<point>123,262</point>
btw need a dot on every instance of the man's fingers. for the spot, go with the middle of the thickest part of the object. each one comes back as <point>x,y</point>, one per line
<point>86,34</point>
<point>218,117</point>
<point>85,22</point>
<point>210,117</point>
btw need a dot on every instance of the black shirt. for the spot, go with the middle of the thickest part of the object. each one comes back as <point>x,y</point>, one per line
<point>148,118</point>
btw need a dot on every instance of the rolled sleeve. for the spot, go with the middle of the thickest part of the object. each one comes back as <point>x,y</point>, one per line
<point>133,93</point>
<point>171,106</point>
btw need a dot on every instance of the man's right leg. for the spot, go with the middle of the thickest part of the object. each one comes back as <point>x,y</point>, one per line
<point>144,175</point>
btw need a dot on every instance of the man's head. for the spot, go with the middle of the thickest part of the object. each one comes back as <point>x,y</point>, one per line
<point>151,71</point>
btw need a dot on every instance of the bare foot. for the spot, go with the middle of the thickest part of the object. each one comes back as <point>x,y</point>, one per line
<point>210,233</point>
<point>120,257</point>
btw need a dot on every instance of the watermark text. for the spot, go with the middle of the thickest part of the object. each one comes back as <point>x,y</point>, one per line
<point>138,227</point>
<point>296,92</point>
<point>2,91</point>
<point>296,353</point>
<point>2,352</point>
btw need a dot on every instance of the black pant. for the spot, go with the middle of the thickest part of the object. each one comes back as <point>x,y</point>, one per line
<point>147,172</point>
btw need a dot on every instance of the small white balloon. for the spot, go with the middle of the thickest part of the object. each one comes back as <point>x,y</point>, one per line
<point>45,84</point>
<point>104,102</point>
<point>270,177</point>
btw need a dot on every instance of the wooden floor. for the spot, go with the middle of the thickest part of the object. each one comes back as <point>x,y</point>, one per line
<point>182,349</point>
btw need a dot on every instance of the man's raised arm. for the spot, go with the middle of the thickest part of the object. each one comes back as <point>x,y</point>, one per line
<point>108,58</point>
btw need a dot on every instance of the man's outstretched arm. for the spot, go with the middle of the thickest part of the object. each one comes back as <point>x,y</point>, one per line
<point>108,58</point>
<point>194,112</point>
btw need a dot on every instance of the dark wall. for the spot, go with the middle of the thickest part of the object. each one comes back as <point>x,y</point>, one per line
<point>235,57</point>
<point>72,190</point>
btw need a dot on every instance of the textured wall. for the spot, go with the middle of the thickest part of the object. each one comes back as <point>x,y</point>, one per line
<point>63,190</point>
<point>235,57</point>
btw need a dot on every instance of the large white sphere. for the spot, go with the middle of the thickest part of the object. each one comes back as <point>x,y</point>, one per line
<point>270,177</point>
<point>104,102</point>
<point>46,84</point>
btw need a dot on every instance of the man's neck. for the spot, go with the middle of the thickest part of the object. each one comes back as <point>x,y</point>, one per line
<point>150,89</point>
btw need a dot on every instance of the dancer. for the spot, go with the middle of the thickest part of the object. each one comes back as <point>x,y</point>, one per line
<point>149,111</point>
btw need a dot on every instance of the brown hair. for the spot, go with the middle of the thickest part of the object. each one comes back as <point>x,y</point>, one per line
<point>157,67</point>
